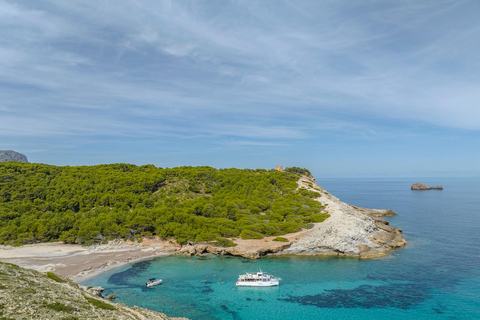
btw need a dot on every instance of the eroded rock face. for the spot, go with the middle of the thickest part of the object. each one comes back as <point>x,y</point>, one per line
<point>350,231</point>
<point>423,186</point>
<point>9,155</point>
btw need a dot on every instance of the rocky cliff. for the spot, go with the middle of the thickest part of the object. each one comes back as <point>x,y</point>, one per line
<point>9,155</point>
<point>29,294</point>
<point>350,231</point>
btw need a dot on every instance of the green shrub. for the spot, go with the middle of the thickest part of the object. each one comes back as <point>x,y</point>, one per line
<point>54,277</point>
<point>319,217</point>
<point>281,239</point>
<point>57,306</point>
<point>249,234</point>
<point>223,243</point>
<point>100,304</point>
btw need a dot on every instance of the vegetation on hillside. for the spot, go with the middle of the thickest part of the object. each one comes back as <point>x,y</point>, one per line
<point>29,294</point>
<point>92,204</point>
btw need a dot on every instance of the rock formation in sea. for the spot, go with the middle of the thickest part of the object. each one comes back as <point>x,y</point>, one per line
<point>423,186</point>
<point>9,155</point>
<point>29,294</point>
<point>349,231</point>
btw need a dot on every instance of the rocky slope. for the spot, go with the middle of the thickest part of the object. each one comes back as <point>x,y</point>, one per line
<point>29,294</point>
<point>9,155</point>
<point>349,231</point>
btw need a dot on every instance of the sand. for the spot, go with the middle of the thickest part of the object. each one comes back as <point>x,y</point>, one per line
<point>78,262</point>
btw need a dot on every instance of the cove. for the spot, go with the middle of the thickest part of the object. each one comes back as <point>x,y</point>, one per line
<point>434,277</point>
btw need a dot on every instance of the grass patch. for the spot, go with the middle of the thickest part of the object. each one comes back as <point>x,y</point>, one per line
<point>100,304</point>
<point>69,318</point>
<point>57,306</point>
<point>2,287</point>
<point>309,226</point>
<point>26,290</point>
<point>54,277</point>
<point>281,239</point>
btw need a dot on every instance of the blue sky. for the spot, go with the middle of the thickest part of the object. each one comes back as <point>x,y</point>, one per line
<point>344,88</point>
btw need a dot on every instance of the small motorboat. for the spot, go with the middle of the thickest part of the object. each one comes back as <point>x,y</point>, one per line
<point>153,282</point>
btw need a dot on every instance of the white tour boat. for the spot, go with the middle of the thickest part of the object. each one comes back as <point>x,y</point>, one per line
<point>259,279</point>
<point>153,282</point>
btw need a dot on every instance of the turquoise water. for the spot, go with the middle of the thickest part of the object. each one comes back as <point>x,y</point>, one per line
<point>436,276</point>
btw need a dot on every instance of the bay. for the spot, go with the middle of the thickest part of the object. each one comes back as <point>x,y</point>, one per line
<point>436,276</point>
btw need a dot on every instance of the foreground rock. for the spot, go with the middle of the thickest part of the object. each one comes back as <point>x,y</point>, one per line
<point>423,186</point>
<point>349,231</point>
<point>9,155</point>
<point>29,294</point>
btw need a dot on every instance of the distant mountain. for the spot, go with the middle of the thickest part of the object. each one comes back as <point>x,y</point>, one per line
<point>9,155</point>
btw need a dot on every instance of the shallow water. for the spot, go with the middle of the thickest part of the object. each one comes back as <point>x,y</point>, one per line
<point>436,276</point>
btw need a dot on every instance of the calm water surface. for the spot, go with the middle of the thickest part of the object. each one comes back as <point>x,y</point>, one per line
<point>436,276</point>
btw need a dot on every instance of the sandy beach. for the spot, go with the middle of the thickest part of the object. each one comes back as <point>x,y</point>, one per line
<point>78,262</point>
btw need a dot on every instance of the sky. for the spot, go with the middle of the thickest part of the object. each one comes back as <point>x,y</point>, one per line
<point>343,88</point>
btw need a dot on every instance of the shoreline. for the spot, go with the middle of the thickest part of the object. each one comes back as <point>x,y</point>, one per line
<point>350,231</point>
<point>80,263</point>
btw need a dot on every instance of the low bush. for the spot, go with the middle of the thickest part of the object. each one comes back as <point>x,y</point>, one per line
<point>249,234</point>
<point>54,277</point>
<point>100,304</point>
<point>57,306</point>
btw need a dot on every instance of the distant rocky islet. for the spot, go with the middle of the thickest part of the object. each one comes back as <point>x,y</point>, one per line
<point>422,186</point>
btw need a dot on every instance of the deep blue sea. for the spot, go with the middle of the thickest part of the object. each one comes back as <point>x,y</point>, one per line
<point>436,276</point>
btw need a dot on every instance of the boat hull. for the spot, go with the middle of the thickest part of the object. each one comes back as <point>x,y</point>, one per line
<point>153,284</point>
<point>257,284</point>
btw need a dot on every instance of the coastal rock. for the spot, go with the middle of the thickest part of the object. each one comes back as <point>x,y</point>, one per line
<point>423,186</point>
<point>250,249</point>
<point>111,296</point>
<point>98,291</point>
<point>349,231</point>
<point>10,155</point>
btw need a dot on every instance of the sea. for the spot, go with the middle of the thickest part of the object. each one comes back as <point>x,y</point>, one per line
<point>436,276</point>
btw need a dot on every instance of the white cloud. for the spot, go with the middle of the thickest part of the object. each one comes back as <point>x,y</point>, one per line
<point>244,69</point>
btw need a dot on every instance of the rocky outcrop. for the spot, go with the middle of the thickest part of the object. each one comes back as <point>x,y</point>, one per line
<point>349,231</point>
<point>250,249</point>
<point>9,155</point>
<point>29,294</point>
<point>423,186</point>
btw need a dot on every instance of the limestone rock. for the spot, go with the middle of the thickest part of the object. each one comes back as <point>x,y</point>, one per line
<point>29,294</point>
<point>349,231</point>
<point>423,186</point>
<point>9,155</point>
